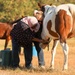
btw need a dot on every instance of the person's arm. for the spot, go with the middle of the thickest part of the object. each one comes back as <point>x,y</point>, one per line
<point>39,40</point>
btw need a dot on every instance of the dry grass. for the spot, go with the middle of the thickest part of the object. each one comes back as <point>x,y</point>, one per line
<point>47,54</point>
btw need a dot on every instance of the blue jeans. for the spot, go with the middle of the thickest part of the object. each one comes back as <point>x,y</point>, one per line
<point>15,54</point>
<point>39,53</point>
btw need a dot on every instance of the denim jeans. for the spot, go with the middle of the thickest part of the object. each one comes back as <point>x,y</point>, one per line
<point>15,54</point>
<point>39,53</point>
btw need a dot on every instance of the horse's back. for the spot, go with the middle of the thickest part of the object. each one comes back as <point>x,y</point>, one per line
<point>5,29</point>
<point>66,16</point>
<point>61,22</point>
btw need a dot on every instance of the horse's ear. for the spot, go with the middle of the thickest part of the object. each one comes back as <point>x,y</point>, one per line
<point>39,4</point>
<point>23,16</point>
<point>50,4</point>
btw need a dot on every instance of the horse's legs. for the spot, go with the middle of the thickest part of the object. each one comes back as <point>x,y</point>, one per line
<point>65,50</point>
<point>6,42</point>
<point>48,44</point>
<point>55,43</point>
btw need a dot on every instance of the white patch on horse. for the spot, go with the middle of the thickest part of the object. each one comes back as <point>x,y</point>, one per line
<point>53,54</point>
<point>49,9</point>
<point>65,50</point>
<point>49,15</point>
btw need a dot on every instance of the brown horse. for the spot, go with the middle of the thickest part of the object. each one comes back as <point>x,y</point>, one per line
<point>5,29</point>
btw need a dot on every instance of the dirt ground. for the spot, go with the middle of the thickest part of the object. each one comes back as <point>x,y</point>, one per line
<point>59,59</point>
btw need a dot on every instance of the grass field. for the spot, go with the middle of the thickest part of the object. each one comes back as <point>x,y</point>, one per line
<point>59,58</point>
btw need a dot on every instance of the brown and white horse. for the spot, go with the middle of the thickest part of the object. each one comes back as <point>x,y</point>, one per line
<point>58,24</point>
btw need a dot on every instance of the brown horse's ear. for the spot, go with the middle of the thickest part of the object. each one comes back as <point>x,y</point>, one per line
<point>51,4</point>
<point>39,4</point>
<point>23,16</point>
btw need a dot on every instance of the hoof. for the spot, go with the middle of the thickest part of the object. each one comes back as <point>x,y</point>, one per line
<point>51,68</point>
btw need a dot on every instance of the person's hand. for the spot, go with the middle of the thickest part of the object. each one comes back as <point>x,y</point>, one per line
<point>45,41</point>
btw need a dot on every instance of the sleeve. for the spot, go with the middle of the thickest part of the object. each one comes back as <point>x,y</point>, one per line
<point>37,27</point>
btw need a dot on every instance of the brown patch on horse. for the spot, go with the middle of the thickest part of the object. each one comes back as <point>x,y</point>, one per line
<point>63,24</point>
<point>49,25</point>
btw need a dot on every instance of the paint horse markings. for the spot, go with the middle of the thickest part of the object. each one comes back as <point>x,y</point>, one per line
<point>59,25</point>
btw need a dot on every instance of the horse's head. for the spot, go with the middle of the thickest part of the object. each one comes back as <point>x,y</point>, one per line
<point>44,45</point>
<point>46,8</point>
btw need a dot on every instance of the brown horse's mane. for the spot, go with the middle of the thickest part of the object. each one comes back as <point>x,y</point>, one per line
<point>11,23</point>
<point>17,20</point>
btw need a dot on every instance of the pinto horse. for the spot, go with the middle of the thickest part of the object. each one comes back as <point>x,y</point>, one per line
<point>5,29</point>
<point>58,24</point>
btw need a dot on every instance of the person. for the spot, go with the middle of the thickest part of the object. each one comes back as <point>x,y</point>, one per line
<point>39,50</point>
<point>22,35</point>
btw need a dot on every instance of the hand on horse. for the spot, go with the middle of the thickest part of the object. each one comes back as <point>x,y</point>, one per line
<point>45,41</point>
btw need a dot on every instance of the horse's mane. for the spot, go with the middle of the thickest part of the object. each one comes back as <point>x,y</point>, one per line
<point>16,20</point>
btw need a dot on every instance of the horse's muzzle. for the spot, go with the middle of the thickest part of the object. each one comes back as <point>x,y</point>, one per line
<point>44,45</point>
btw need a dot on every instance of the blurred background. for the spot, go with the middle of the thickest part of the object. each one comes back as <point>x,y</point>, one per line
<point>11,10</point>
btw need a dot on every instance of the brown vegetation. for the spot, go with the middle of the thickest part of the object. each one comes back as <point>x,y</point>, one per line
<point>47,54</point>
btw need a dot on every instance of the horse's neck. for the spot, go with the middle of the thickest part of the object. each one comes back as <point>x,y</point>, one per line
<point>49,11</point>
